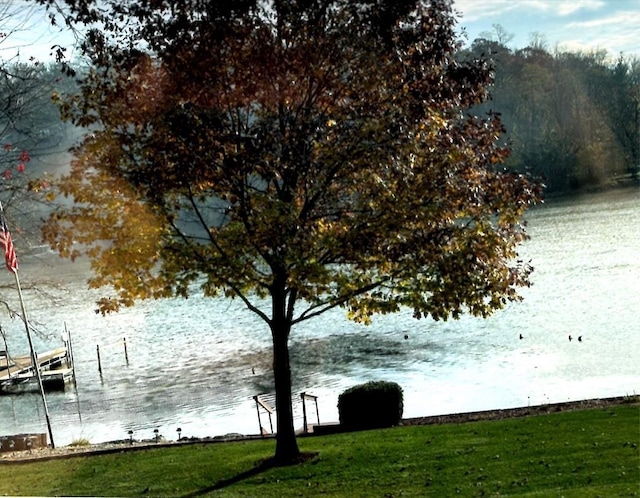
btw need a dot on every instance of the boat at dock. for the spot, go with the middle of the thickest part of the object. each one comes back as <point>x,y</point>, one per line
<point>17,374</point>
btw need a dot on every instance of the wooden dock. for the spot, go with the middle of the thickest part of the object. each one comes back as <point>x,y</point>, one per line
<point>18,375</point>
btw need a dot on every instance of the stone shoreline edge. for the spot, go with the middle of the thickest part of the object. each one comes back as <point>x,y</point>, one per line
<point>43,454</point>
<point>525,411</point>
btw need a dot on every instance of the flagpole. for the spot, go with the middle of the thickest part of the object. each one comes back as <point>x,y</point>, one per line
<point>34,360</point>
<point>12,266</point>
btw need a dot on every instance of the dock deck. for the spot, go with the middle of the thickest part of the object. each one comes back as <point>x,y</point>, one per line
<point>17,373</point>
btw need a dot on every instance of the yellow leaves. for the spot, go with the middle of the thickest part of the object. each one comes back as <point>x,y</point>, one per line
<point>122,236</point>
<point>430,129</point>
<point>324,227</point>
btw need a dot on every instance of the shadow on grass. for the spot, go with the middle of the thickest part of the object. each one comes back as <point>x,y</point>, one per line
<point>263,466</point>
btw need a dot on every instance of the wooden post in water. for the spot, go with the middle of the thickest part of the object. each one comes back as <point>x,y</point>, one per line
<point>70,353</point>
<point>6,352</point>
<point>126,355</point>
<point>99,362</point>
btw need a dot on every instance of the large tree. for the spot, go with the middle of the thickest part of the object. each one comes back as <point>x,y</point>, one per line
<point>314,153</point>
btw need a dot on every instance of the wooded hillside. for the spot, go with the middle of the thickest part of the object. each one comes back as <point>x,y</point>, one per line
<point>572,119</point>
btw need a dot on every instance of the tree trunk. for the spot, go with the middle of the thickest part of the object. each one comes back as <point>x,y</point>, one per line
<point>287,450</point>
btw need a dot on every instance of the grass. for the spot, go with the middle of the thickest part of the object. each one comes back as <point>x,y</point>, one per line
<point>80,442</point>
<point>586,453</point>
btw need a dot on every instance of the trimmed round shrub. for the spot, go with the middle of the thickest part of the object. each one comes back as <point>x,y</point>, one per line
<point>370,406</point>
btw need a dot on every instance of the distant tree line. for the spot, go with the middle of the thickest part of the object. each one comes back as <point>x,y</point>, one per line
<point>572,119</point>
<point>29,116</point>
<point>34,142</point>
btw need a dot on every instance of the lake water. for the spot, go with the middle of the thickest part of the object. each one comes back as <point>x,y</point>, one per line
<point>197,363</point>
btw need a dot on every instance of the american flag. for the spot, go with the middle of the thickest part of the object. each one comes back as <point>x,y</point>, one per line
<point>6,242</point>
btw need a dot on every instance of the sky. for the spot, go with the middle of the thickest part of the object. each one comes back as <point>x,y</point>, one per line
<point>573,25</point>
<point>27,32</point>
<point>570,25</point>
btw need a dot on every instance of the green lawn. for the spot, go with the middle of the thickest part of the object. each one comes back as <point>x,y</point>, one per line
<point>572,454</point>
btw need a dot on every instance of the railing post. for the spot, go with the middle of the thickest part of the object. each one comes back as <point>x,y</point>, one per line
<point>304,397</point>
<point>267,408</point>
<point>304,413</point>
<point>255,398</point>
